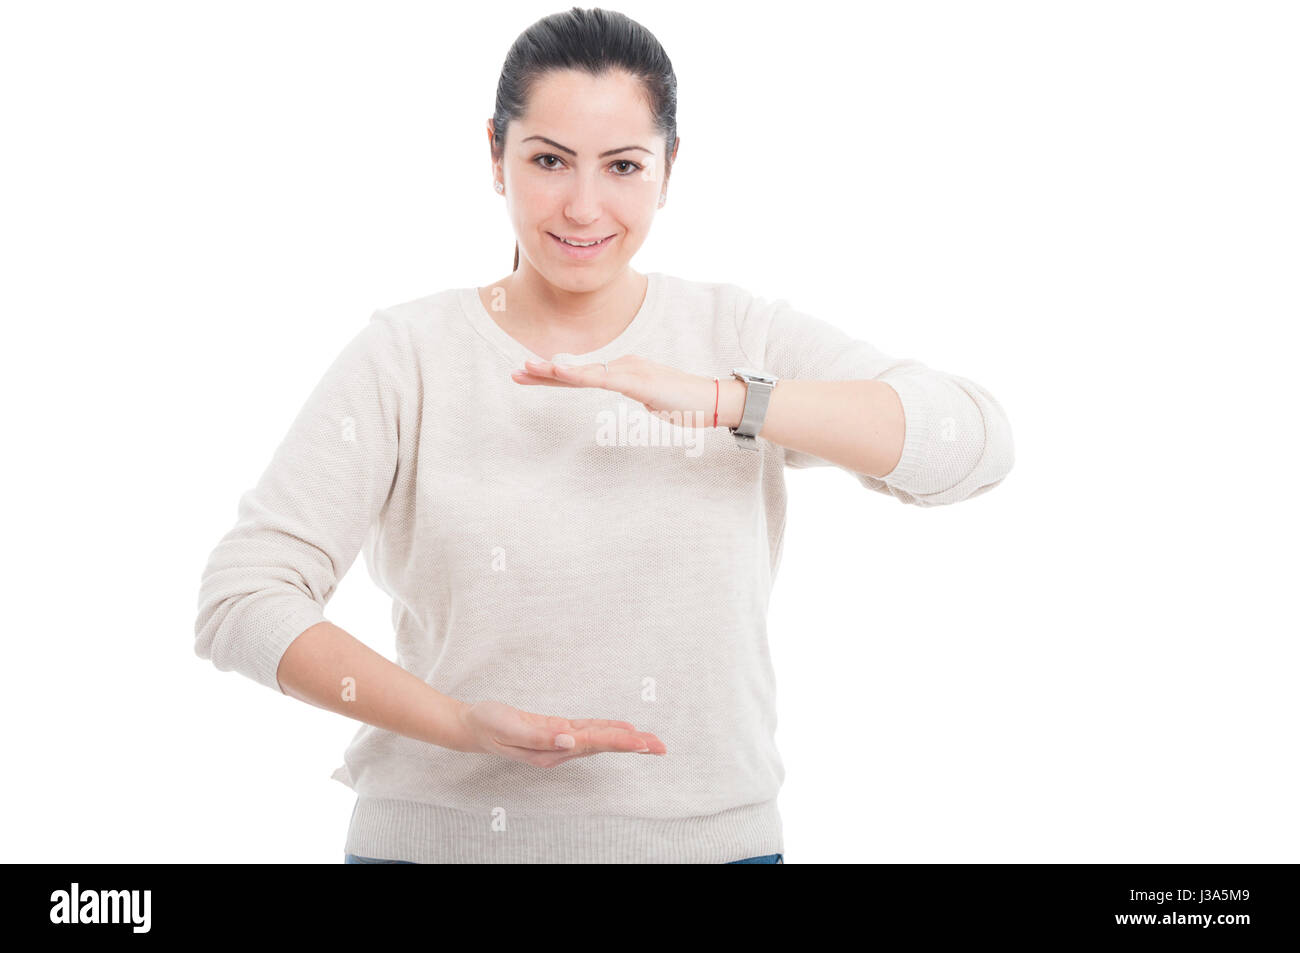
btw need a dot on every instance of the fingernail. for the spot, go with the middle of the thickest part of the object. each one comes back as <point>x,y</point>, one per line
<point>642,750</point>
<point>564,741</point>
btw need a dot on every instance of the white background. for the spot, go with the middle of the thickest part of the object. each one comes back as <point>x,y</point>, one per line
<point>1089,208</point>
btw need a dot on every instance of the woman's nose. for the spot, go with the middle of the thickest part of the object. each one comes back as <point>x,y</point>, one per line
<point>584,202</point>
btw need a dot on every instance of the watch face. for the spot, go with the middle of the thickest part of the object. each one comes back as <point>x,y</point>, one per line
<point>754,373</point>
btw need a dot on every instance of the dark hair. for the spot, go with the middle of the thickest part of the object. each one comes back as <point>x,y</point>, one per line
<point>594,40</point>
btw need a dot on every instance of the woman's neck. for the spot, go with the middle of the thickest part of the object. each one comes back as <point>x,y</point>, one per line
<point>549,319</point>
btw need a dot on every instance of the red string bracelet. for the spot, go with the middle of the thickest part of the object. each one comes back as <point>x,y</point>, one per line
<point>717,392</point>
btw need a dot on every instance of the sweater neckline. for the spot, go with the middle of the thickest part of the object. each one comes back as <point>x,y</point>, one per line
<point>514,350</point>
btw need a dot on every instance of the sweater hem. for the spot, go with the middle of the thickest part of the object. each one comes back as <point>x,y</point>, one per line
<point>422,833</point>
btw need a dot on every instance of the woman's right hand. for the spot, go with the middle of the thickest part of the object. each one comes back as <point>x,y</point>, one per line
<point>548,740</point>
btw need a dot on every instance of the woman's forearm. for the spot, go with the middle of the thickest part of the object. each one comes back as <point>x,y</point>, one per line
<point>329,668</point>
<point>854,424</point>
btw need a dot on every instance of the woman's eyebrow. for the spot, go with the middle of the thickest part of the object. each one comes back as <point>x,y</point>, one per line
<point>607,152</point>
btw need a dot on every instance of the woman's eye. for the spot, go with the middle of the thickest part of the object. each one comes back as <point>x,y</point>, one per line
<point>634,167</point>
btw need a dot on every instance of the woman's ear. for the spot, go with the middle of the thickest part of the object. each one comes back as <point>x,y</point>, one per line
<point>668,168</point>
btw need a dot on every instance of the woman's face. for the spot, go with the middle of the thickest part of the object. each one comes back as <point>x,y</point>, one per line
<point>585,162</point>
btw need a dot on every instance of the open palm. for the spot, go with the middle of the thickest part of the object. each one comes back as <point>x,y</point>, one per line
<point>548,740</point>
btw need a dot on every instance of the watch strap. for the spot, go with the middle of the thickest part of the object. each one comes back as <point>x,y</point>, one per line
<point>758,393</point>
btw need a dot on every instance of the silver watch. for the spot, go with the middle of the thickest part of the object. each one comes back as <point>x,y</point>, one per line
<point>758,391</point>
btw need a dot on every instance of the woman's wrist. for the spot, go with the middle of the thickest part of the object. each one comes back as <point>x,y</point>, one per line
<point>731,401</point>
<point>450,728</point>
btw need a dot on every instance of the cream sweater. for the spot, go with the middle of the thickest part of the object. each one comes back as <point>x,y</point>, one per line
<point>563,551</point>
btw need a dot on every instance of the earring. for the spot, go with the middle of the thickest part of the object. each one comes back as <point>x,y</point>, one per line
<point>500,187</point>
<point>663,197</point>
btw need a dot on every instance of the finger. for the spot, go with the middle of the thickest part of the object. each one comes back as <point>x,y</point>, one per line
<point>543,369</point>
<point>647,750</point>
<point>601,723</point>
<point>650,741</point>
<point>522,377</point>
<point>617,739</point>
<point>545,745</point>
<point>536,732</point>
<point>641,742</point>
<point>579,375</point>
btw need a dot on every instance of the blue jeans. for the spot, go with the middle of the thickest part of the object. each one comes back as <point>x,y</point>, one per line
<point>764,859</point>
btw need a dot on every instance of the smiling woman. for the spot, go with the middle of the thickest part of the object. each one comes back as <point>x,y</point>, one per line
<point>612,155</point>
<point>590,204</point>
<point>582,143</point>
<point>566,596</point>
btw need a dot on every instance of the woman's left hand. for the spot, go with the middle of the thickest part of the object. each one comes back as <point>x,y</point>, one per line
<point>686,400</point>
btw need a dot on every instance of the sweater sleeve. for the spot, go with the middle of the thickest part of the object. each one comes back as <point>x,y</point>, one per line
<point>958,440</point>
<point>301,527</point>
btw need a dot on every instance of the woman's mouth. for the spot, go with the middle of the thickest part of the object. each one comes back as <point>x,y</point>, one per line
<point>575,246</point>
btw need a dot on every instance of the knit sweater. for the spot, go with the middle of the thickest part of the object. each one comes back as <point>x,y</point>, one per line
<point>563,551</point>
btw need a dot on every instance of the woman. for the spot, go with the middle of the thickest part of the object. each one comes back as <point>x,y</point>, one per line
<point>575,504</point>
